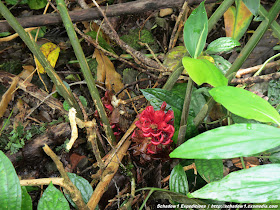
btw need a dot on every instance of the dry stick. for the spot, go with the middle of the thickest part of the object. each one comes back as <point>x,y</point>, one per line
<point>74,192</point>
<point>111,169</point>
<point>137,56</point>
<point>45,181</point>
<point>175,32</point>
<point>257,79</point>
<point>93,42</point>
<point>91,133</point>
<point>253,69</point>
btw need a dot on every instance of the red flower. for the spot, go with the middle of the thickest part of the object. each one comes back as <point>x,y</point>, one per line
<point>155,131</point>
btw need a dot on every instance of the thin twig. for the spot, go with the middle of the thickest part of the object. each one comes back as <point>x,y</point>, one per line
<point>256,79</point>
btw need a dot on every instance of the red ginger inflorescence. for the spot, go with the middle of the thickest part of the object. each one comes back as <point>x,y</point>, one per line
<point>154,133</point>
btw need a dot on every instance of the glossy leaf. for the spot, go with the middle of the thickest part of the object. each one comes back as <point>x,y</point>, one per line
<point>222,44</point>
<point>178,181</point>
<point>10,191</point>
<point>203,71</point>
<point>245,104</point>
<point>210,170</point>
<point>83,186</point>
<point>52,198</point>
<point>221,63</point>
<point>229,142</point>
<point>156,96</point>
<point>253,6</point>
<point>237,20</point>
<point>26,203</point>
<point>196,30</point>
<point>253,185</point>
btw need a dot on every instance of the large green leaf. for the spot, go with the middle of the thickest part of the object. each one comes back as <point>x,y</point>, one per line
<point>203,71</point>
<point>222,44</point>
<point>229,142</point>
<point>10,191</point>
<point>253,185</point>
<point>83,186</point>
<point>26,203</point>
<point>52,198</point>
<point>210,170</point>
<point>196,30</point>
<point>245,104</point>
<point>178,181</point>
<point>253,6</point>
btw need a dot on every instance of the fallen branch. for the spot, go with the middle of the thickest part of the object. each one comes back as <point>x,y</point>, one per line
<point>92,14</point>
<point>257,79</point>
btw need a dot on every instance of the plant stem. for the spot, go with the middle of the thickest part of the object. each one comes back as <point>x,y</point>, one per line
<point>85,69</point>
<point>219,13</point>
<point>274,25</point>
<point>33,47</point>
<point>251,44</point>
<point>242,57</point>
<point>185,113</point>
<point>173,77</point>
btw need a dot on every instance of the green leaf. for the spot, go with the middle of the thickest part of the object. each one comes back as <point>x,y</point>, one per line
<point>83,101</point>
<point>37,4</point>
<point>66,106</point>
<point>10,191</point>
<point>229,142</point>
<point>102,42</point>
<point>178,181</point>
<point>253,185</point>
<point>253,6</point>
<point>210,170</point>
<point>203,71</point>
<point>52,198</point>
<point>221,63</point>
<point>245,104</point>
<point>14,2</point>
<point>156,96</point>
<point>26,203</point>
<point>222,44</point>
<point>275,157</point>
<point>196,30</point>
<point>83,186</point>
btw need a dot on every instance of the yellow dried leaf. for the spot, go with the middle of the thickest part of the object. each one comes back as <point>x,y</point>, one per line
<point>107,74</point>
<point>51,52</point>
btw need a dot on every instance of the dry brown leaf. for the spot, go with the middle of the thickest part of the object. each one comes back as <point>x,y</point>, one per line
<point>249,162</point>
<point>27,73</point>
<point>107,74</point>
<point>7,97</point>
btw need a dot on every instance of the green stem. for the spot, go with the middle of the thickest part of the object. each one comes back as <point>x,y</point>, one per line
<point>215,17</point>
<point>173,77</point>
<point>264,64</point>
<point>274,25</point>
<point>251,44</point>
<point>185,113</point>
<point>33,47</point>
<point>85,69</point>
<point>242,57</point>
<point>242,162</point>
<point>146,199</point>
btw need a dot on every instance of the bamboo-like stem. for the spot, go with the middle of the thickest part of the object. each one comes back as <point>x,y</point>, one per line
<point>251,44</point>
<point>33,47</point>
<point>85,69</point>
<point>219,13</point>
<point>185,113</point>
